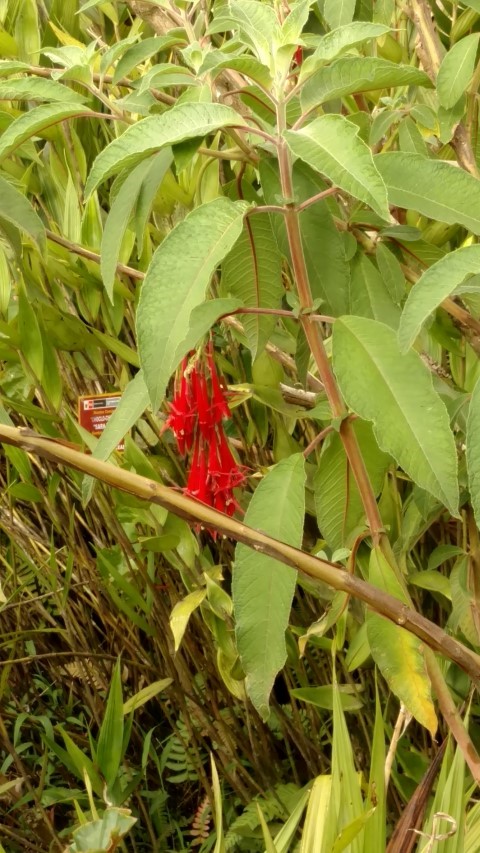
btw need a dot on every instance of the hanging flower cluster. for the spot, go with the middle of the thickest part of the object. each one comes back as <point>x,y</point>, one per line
<point>196,413</point>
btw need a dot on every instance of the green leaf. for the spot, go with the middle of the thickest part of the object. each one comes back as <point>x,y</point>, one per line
<point>17,210</point>
<point>456,70</point>
<point>205,315</point>
<point>138,53</point>
<point>186,121</point>
<point>391,272</point>
<point>322,697</point>
<point>29,333</point>
<point>331,145</point>
<point>398,653</point>
<point>436,283</point>
<point>81,763</point>
<point>262,587</point>
<point>181,614</point>
<point>110,738</point>
<point>339,40</point>
<point>257,23</point>
<point>339,12</point>
<point>175,283</point>
<point>375,830</point>
<point>33,122</point>
<point>216,60</point>
<point>346,782</point>
<point>145,694</point>
<point>369,296</point>
<point>348,75</point>
<point>119,217</point>
<point>252,272</point>
<point>396,392</point>
<point>435,188</point>
<point>316,818</point>
<point>473,451</point>
<point>38,89</point>
<point>339,507</point>
<point>323,245</point>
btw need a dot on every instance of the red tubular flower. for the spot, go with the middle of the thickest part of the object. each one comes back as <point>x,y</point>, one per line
<point>196,414</point>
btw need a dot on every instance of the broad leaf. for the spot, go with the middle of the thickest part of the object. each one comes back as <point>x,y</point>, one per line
<point>473,451</point>
<point>369,296</point>
<point>138,53</point>
<point>391,272</point>
<point>339,40</point>
<point>349,75</point>
<point>33,122</point>
<point>17,210</point>
<point>465,615</point>
<point>456,70</point>
<point>38,89</point>
<point>262,587</point>
<point>323,244</point>
<point>397,652</point>
<point>339,12</point>
<point>175,284</point>
<point>185,121</point>
<point>252,272</point>
<point>396,392</point>
<point>339,507</point>
<point>435,188</point>
<point>436,283</point>
<point>256,22</point>
<point>331,145</point>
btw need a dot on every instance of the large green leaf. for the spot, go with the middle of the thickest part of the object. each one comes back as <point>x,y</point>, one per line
<point>435,188</point>
<point>256,22</point>
<point>339,40</point>
<point>339,12</point>
<point>397,652</point>
<point>185,121</point>
<point>175,283</point>
<point>138,53</point>
<point>119,216</point>
<point>339,507</point>
<point>252,272</point>
<point>456,70</point>
<point>262,587</point>
<point>436,283</point>
<point>396,392</point>
<point>348,75</point>
<point>473,451</point>
<point>369,296</point>
<point>323,244</point>
<point>110,738</point>
<point>38,89</point>
<point>331,145</point>
<point>33,122</point>
<point>17,210</point>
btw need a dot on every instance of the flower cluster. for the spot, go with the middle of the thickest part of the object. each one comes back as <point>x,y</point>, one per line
<point>196,414</point>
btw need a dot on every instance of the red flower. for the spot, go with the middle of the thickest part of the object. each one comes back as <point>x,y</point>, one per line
<point>196,414</point>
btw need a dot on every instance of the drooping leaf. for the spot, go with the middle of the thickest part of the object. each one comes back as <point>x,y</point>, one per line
<point>181,614</point>
<point>138,53</point>
<point>395,391</point>
<point>332,146</point>
<point>398,653</point>
<point>340,512</point>
<point>17,210</point>
<point>335,42</point>
<point>436,283</point>
<point>33,122</point>
<point>323,246</point>
<point>175,284</point>
<point>456,70</point>
<point>434,188</point>
<point>252,272</point>
<point>185,121</point>
<point>349,75</point>
<point>262,587</point>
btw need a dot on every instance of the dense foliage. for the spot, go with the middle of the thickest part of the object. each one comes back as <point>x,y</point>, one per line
<point>257,626</point>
